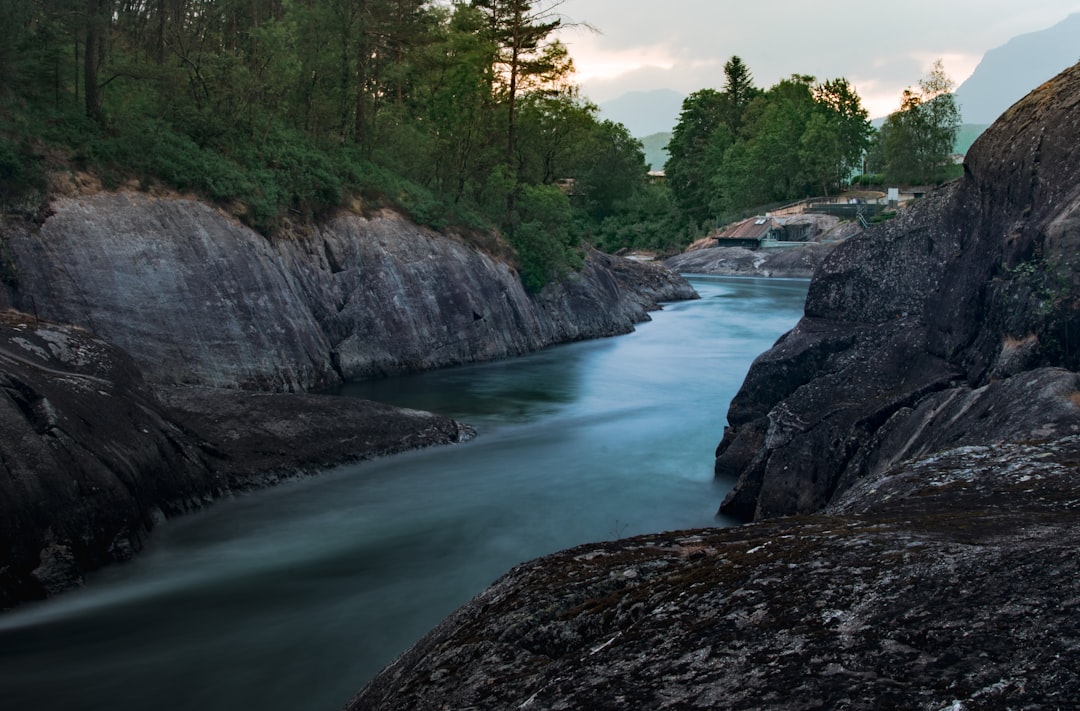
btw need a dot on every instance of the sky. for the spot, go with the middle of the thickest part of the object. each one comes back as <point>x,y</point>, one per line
<point>880,47</point>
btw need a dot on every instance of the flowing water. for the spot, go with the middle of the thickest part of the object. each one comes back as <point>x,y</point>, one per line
<point>293,597</point>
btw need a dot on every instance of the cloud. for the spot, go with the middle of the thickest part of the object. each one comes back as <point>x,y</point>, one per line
<point>880,48</point>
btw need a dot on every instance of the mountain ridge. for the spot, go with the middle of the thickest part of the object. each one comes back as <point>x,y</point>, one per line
<point>1007,73</point>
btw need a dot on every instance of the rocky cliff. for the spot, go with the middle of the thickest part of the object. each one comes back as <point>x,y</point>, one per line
<point>160,354</point>
<point>920,429</point>
<point>197,298</point>
<point>911,325</point>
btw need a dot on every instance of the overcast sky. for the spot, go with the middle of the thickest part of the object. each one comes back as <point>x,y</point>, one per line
<point>880,47</point>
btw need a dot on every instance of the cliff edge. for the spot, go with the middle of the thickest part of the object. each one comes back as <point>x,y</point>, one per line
<point>197,298</point>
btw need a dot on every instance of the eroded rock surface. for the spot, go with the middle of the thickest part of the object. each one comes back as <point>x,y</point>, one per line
<point>198,299</point>
<point>974,285</point>
<point>91,459</point>
<point>951,582</point>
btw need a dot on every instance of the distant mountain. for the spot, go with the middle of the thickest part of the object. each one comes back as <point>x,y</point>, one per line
<point>966,136</point>
<point>645,112</point>
<point>1006,74</point>
<point>656,153</point>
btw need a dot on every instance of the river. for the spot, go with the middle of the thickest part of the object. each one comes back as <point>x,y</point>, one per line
<point>293,597</point>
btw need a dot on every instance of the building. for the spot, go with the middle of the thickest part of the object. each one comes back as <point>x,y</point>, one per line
<point>751,233</point>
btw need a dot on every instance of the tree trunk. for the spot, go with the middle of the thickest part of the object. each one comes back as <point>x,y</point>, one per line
<point>95,32</point>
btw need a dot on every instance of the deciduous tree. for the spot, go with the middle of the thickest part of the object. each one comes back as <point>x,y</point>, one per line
<point>918,140</point>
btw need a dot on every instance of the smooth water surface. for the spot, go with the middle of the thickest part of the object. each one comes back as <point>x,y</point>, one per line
<point>294,597</point>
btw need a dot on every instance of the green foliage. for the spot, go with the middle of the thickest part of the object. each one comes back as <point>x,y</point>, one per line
<point>460,115</point>
<point>869,180</point>
<point>916,143</point>
<point>697,141</point>
<point>745,147</point>
<point>20,173</point>
<point>540,230</point>
<point>647,220</point>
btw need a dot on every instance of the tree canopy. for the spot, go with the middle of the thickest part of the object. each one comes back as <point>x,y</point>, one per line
<point>464,115</point>
<point>916,142</point>
<point>743,147</point>
<point>460,114</point>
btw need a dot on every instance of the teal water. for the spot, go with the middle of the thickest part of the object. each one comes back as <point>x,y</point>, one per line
<point>294,597</point>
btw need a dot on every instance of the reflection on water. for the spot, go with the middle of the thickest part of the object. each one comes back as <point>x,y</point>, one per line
<point>293,597</point>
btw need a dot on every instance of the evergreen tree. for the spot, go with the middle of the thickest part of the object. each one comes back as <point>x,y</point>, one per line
<point>691,159</point>
<point>524,57</point>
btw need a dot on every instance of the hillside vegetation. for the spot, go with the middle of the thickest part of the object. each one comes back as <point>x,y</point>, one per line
<point>463,116</point>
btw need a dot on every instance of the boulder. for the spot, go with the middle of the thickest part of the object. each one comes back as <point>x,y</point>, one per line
<point>972,285</point>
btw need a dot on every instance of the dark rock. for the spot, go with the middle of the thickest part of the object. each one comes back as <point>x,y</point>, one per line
<point>950,582</point>
<point>91,459</point>
<point>259,438</point>
<point>972,284</point>
<point>86,455</point>
<point>920,429</point>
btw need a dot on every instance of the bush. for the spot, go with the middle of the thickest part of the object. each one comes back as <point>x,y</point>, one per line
<point>868,180</point>
<point>541,233</point>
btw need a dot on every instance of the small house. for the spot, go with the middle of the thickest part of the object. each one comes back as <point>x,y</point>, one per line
<point>751,233</point>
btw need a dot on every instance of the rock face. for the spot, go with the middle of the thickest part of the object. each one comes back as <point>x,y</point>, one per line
<point>91,459</point>
<point>909,454</point>
<point>197,298</point>
<point>932,312</point>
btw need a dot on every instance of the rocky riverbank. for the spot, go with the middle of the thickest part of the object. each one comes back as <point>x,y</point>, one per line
<point>908,454</point>
<point>790,262</point>
<point>952,582</point>
<point>92,458</point>
<point>155,355</point>
<point>198,299</point>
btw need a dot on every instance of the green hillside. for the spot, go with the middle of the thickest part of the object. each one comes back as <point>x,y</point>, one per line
<point>967,135</point>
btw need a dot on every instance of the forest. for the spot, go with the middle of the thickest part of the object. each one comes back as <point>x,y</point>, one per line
<point>463,115</point>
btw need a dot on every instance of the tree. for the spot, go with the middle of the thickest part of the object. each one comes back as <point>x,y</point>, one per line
<point>523,56</point>
<point>96,24</point>
<point>690,160</point>
<point>918,140</point>
<point>611,169</point>
<point>740,91</point>
<point>837,136</point>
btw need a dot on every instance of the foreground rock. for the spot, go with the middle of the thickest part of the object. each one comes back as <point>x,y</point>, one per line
<point>935,311</point>
<point>949,582</point>
<point>91,459</point>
